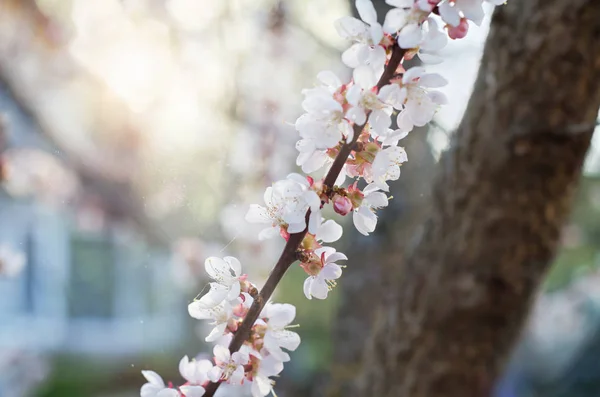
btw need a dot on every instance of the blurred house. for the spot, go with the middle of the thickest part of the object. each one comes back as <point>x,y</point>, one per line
<point>93,284</point>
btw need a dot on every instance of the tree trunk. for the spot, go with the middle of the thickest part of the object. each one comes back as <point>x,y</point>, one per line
<point>502,194</point>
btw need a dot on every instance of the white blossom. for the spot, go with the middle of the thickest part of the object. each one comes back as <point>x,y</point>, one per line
<point>195,371</point>
<point>155,387</point>
<point>386,166</point>
<point>321,279</point>
<point>364,100</point>
<point>421,103</point>
<point>230,367</point>
<point>279,316</point>
<point>262,385</point>
<point>367,34</point>
<point>405,21</point>
<point>226,272</point>
<point>364,217</point>
<point>221,315</point>
<point>286,204</point>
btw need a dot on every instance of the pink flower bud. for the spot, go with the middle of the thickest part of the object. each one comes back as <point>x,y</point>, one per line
<point>342,205</point>
<point>460,31</point>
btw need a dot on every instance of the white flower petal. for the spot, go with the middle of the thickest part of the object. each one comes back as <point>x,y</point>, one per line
<point>449,14</point>
<point>364,220</point>
<point>192,391</point>
<point>329,231</point>
<point>366,10</point>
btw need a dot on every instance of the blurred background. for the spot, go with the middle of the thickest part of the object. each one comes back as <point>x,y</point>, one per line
<point>133,136</point>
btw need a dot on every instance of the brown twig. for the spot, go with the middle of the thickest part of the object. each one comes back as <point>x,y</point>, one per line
<point>288,256</point>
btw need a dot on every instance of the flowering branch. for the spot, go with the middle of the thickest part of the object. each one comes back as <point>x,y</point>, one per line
<point>345,127</point>
<point>288,255</point>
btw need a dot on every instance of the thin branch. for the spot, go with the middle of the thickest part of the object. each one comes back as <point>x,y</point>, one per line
<point>288,256</point>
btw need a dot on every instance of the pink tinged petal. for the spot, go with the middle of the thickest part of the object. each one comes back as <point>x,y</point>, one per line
<point>364,77</point>
<point>307,286</point>
<point>215,374</point>
<point>350,28</point>
<point>366,10</point>
<point>269,233</point>
<point>168,393</point>
<point>432,80</point>
<point>329,231</point>
<point>412,74</point>
<point>221,353</point>
<point>364,220</point>
<point>192,391</point>
<point>319,288</point>
<point>357,115</point>
<point>472,9</point>
<point>449,14</point>
<point>330,79</point>
<point>410,36</point>
<point>257,214</point>
<point>395,20</point>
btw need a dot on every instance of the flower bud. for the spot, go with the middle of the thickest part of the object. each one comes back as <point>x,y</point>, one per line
<point>342,205</point>
<point>460,31</point>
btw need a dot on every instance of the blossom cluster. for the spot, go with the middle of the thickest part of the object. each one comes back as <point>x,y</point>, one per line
<point>353,120</point>
<point>226,304</point>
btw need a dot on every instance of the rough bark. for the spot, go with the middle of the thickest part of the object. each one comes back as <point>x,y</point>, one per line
<point>502,194</point>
